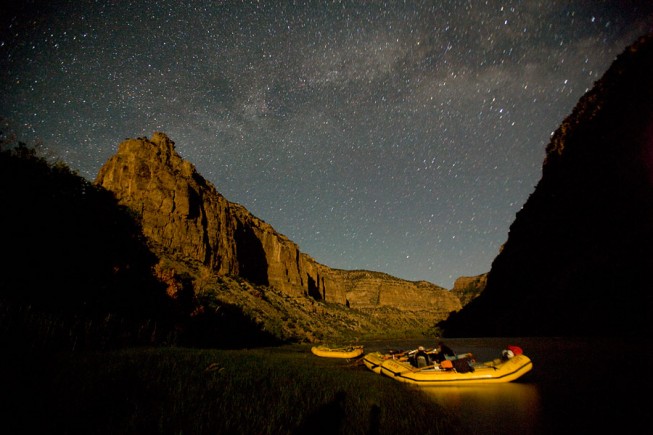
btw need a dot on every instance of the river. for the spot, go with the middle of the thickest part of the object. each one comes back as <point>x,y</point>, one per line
<point>577,385</point>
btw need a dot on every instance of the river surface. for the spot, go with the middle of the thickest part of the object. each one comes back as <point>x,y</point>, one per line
<point>577,385</point>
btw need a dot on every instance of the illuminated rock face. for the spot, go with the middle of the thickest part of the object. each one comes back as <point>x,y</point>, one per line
<point>180,212</point>
<point>469,287</point>
<point>184,216</point>
<point>579,254</point>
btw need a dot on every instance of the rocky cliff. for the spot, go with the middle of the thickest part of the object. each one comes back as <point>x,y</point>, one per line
<point>186,218</point>
<point>468,288</point>
<point>579,254</point>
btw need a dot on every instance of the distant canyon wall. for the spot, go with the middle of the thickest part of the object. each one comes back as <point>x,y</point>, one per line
<point>468,288</point>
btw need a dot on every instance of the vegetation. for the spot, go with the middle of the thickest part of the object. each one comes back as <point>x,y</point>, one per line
<point>174,390</point>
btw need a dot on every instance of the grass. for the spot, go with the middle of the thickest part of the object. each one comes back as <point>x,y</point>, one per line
<point>284,390</point>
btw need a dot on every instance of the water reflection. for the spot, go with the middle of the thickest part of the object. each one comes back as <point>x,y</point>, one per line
<point>493,408</point>
<point>577,385</point>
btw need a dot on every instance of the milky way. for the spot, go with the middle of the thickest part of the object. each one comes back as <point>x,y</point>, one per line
<point>395,137</point>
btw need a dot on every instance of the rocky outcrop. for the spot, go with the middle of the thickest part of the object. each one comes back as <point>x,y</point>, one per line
<point>579,255</point>
<point>469,287</point>
<point>185,217</point>
<point>180,212</point>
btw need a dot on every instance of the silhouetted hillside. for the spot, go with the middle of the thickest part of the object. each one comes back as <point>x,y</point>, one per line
<point>75,270</point>
<point>579,255</point>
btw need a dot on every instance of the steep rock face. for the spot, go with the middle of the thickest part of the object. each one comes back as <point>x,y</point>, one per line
<point>579,255</point>
<point>184,216</point>
<point>180,212</point>
<point>469,287</point>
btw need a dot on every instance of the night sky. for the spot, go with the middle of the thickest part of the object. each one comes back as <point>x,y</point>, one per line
<point>389,136</point>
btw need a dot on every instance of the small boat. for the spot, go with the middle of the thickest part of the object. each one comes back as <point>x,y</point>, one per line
<point>338,352</point>
<point>505,369</point>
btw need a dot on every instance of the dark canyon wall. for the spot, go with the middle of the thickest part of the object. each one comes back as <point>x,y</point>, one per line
<point>579,254</point>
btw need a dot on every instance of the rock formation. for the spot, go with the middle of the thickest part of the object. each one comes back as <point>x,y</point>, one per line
<point>579,255</point>
<point>186,218</point>
<point>468,288</point>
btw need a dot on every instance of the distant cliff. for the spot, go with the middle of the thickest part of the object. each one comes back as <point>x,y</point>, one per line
<point>579,255</point>
<point>468,288</point>
<point>186,218</point>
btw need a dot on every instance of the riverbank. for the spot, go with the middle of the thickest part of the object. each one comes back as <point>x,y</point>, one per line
<point>280,390</point>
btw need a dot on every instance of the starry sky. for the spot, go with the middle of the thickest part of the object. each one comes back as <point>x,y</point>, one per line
<point>401,137</point>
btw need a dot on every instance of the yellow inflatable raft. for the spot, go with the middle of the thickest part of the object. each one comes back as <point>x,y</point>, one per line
<point>338,352</point>
<point>497,371</point>
<point>373,360</point>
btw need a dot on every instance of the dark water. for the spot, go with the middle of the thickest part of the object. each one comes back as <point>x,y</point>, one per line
<point>580,386</point>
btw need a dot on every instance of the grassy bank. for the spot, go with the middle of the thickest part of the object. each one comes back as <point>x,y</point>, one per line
<point>172,390</point>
